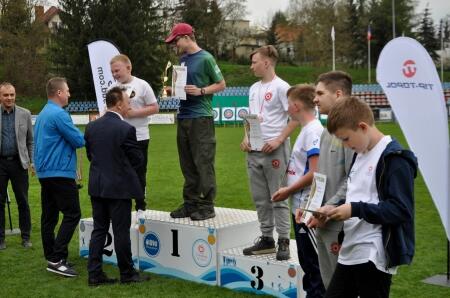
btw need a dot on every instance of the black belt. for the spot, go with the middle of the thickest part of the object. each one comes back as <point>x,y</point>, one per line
<point>14,157</point>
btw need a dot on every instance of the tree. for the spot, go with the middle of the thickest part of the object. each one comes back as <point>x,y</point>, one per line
<point>233,9</point>
<point>134,26</point>
<point>207,26</point>
<point>279,18</point>
<point>355,27</point>
<point>22,40</point>
<point>426,34</point>
<point>380,12</point>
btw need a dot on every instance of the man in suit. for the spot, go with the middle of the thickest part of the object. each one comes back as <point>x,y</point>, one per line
<point>16,144</point>
<point>115,155</point>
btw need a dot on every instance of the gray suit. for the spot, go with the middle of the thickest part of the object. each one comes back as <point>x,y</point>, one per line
<point>15,169</point>
<point>24,135</point>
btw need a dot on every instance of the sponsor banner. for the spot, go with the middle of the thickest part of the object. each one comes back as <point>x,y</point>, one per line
<point>411,83</point>
<point>162,119</point>
<point>228,114</point>
<point>216,115</point>
<point>100,54</point>
<point>241,112</point>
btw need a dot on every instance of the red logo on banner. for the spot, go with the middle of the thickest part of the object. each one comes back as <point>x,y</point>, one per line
<point>276,163</point>
<point>409,68</point>
<point>268,96</point>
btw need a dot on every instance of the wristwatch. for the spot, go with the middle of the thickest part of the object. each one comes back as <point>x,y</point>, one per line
<point>202,91</point>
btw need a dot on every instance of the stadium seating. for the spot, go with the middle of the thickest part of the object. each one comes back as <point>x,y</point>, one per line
<point>372,93</point>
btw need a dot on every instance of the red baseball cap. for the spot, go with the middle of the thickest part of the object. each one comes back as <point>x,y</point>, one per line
<point>179,29</point>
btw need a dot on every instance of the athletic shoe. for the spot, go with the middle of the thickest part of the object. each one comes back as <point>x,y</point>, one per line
<point>203,214</point>
<point>26,243</point>
<point>263,245</point>
<point>283,252</point>
<point>181,212</point>
<point>61,268</point>
<point>102,279</point>
<point>136,277</point>
<point>2,245</point>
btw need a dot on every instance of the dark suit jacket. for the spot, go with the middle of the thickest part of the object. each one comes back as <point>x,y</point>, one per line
<point>113,151</point>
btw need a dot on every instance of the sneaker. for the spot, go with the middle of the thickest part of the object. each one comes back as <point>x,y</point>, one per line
<point>283,252</point>
<point>203,214</point>
<point>2,245</point>
<point>263,245</point>
<point>136,277</point>
<point>102,279</point>
<point>181,212</point>
<point>61,268</point>
<point>26,243</point>
<point>71,265</point>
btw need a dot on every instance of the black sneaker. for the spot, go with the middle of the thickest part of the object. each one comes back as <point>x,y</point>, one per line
<point>263,245</point>
<point>71,265</point>
<point>203,214</point>
<point>61,268</point>
<point>102,279</point>
<point>181,212</point>
<point>283,252</point>
<point>136,277</point>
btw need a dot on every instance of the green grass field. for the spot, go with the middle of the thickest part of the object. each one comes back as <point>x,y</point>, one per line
<point>23,274</point>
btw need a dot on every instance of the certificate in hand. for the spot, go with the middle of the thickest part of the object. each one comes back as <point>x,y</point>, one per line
<point>253,131</point>
<point>179,79</point>
<point>315,196</point>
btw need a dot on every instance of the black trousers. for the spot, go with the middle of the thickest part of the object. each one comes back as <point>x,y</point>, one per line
<point>58,195</point>
<point>118,212</point>
<point>12,170</point>
<point>196,150</point>
<point>142,174</point>
<point>307,256</point>
<point>361,280</point>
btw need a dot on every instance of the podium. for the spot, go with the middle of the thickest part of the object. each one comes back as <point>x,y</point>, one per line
<point>261,274</point>
<point>188,249</point>
<point>208,251</point>
<point>109,253</point>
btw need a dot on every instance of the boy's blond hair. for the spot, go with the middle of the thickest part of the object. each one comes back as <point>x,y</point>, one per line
<point>347,113</point>
<point>268,51</point>
<point>304,93</point>
<point>120,58</point>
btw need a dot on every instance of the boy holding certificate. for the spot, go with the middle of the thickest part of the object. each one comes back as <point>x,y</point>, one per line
<point>266,165</point>
<point>300,174</point>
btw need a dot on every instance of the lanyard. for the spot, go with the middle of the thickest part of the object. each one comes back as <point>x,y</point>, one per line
<point>267,97</point>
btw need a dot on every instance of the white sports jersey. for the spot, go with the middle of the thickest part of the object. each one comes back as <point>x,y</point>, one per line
<point>306,145</point>
<point>269,102</point>
<point>141,95</point>
<point>363,241</point>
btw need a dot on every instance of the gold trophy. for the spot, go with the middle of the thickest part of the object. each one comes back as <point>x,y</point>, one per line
<point>165,78</point>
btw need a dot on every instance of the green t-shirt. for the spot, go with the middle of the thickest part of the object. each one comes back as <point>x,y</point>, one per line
<point>202,71</point>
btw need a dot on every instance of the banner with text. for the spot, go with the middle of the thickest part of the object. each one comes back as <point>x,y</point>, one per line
<point>100,54</point>
<point>411,83</point>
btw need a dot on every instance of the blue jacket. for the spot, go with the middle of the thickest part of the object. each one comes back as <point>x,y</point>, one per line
<point>56,140</point>
<point>395,175</point>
